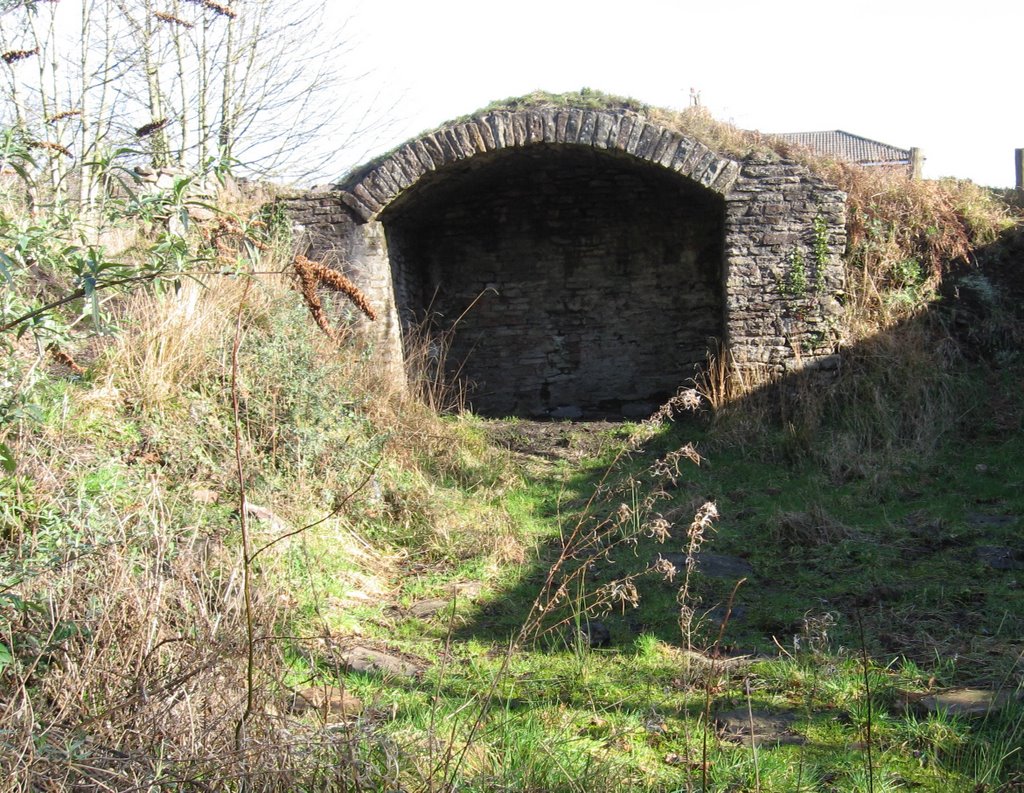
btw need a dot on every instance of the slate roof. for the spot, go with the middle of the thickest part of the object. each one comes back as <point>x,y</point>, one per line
<point>845,146</point>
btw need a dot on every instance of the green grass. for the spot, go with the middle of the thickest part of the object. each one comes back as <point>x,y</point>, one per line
<point>885,546</point>
<point>898,559</point>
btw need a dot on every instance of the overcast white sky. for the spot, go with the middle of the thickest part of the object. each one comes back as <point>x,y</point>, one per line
<point>943,76</point>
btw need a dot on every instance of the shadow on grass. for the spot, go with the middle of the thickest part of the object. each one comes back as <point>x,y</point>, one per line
<point>891,496</point>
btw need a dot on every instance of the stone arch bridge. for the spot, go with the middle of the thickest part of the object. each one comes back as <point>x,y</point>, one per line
<point>581,261</point>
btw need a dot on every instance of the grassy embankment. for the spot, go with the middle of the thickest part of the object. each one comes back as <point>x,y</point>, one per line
<point>152,639</point>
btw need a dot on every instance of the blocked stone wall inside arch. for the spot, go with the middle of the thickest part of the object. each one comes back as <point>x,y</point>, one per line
<point>580,262</point>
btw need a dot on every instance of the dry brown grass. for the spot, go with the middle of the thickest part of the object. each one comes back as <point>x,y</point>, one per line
<point>723,379</point>
<point>124,607</point>
<point>171,337</point>
<point>130,665</point>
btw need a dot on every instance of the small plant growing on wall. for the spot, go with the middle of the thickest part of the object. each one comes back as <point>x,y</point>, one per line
<point>795,283</point>
<point>801,279</point>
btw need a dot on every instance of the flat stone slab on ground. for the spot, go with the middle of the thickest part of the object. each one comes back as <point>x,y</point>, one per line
<point>460,592</point>
<point>425,609</point>
<point>965,701</point>
<point>331,702</point>
<point>981,520</point>
<point>466,590</point>
<point>376,662</point>
<point>712,565</point>
<point>999,557</point>
<point>761,728</point>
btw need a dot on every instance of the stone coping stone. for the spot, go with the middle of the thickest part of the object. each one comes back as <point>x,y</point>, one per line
<point>458,593</point>
<point>331,702</point>
<point>425,609</point>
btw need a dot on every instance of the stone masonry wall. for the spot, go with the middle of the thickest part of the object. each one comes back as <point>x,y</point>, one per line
<point>567,281</point>
<point>326,230</point>
<point>785,237</point>
<point>452,212</point>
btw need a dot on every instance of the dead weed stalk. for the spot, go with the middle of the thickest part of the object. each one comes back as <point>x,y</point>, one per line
<point>315,275</point>
<point>595,534</point>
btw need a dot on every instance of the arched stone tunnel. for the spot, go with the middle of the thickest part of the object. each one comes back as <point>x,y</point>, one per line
<point>573,262</point>
<point>571,280</point>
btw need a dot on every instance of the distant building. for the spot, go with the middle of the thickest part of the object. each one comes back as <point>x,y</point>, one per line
<point>864,152</point>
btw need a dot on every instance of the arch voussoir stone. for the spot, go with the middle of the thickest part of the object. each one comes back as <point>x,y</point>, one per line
<point>433,148</point>
<point>606,130</point>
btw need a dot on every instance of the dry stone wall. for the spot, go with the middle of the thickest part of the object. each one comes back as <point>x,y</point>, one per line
<point>602,254</point>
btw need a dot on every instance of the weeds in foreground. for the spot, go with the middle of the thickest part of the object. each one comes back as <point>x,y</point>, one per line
<point>593,535</point>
